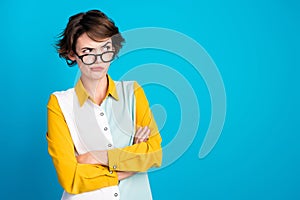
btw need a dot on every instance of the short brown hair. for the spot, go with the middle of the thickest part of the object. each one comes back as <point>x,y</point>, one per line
<point>95,24</point>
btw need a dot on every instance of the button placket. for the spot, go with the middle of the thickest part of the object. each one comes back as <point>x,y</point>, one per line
<point>104,119</point>
<point>104,125</point>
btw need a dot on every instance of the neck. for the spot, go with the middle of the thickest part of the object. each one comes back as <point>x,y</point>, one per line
<point>97,88</point>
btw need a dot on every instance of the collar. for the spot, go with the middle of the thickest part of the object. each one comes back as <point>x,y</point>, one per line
<point>83,95</point>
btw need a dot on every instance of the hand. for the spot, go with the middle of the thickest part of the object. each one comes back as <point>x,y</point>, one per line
<point>122,175</point>
<point>142,134</point>
<point>93,157</point>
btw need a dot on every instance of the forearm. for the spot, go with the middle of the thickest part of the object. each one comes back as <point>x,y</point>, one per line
<point>123,175</point>
<point>94,157</point>
<point>75,177</point>
<point>138,157</point>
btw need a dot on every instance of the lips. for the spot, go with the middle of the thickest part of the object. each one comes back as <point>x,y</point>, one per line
<point>97,68</point>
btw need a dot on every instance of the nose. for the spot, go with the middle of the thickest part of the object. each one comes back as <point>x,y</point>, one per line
<point>98,59</point>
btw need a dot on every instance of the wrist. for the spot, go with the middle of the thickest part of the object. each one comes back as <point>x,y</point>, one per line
<point>102,157</point>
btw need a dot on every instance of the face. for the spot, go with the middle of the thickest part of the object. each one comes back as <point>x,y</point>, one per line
<point>86,45</point>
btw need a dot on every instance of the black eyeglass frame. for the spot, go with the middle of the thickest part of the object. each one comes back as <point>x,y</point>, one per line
<point>95,56</point>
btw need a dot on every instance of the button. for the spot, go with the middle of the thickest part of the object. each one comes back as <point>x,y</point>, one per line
<point>101,114</point>
<point>105,128</point>
<point>110,172</point>
<point>109,145</point>
<point>115,166</point>
<point>116,194</point>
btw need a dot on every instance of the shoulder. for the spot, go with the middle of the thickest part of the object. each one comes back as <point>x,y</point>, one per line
<point>125,83</point>
<point>131,87</point>
<point>132,83</point>
<point>63,92</point>
<point>126,86</point>
<point>53,99</point>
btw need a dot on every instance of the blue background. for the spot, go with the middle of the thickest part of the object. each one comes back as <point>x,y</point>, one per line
<point>255,45</point>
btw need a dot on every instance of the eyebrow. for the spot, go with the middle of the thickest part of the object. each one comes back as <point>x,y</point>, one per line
<point>91,48</point>
<point>106,44</point>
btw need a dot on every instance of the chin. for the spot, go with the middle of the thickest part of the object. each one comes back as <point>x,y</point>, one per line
<point>98,76</point>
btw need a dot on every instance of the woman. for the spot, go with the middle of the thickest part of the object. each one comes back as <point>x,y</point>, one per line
<point>101,135</point>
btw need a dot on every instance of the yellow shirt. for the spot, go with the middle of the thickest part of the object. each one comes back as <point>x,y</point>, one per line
<point>77,178</point>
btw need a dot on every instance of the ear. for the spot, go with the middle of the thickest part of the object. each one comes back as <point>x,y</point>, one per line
<point>72,56</point>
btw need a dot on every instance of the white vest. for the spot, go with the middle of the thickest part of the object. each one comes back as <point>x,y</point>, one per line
<point>110,125</point>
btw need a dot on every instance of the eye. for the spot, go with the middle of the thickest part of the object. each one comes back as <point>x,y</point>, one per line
<point>87,50</point>
<point>107,48</point>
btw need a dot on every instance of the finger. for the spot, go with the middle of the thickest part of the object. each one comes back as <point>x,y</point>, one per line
<point>142,134</point>
<point>145,134</point>
<point>148,134</point>
<point>143,131</point>
<point>138,131</point>
<point>137,135</point>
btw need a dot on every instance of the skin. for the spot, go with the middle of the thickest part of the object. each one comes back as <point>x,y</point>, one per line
<point>94,80</point>
<point>93,76</point>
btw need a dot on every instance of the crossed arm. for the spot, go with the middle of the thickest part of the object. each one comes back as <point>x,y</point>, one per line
<point>85,173</point>
<point>101,157</point>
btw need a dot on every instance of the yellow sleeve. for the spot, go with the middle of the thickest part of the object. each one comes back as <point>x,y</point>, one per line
<point>74,177</point>
<point>139,157</point>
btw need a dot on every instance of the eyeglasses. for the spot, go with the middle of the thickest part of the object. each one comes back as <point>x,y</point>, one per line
<point>90,59</point>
